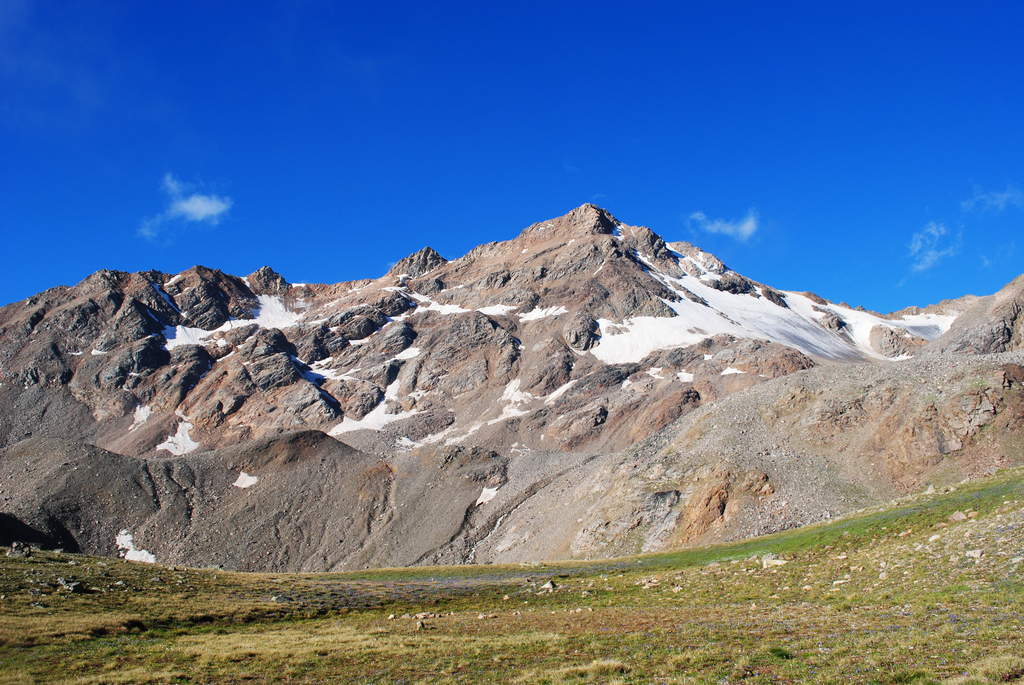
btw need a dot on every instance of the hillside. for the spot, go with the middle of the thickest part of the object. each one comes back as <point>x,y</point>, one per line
<point>928,589</point>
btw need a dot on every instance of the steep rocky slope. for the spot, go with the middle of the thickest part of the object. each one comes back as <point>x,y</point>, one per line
<point>529,341</point>
<point>803,448</point>
<point>988,324</point>
<point>488,407</point>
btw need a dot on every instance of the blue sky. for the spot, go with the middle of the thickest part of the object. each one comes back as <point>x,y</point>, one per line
<point>874,154</point>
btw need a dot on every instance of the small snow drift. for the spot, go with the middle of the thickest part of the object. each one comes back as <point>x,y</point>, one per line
<point>126,543</point>
<point>272,313</point>
<point>486,495</point>
<point>244,480</point>
<point>543,313</point>
<point>408,353</point>
<point>142,414</point>
<point>497,309</point>
<point>181,442</point>
<point>378,416</point>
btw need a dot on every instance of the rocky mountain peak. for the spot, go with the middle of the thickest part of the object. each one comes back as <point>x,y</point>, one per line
<point>587,219</point>
<point>418,263</point>
<point>708,261</point>
<point>265,280</point>
<point>103,280</point>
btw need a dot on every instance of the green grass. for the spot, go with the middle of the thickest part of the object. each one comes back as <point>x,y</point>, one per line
<point>885,596</point>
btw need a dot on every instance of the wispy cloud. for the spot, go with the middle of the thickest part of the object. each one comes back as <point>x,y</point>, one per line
<point>185,205</point>
<point>997,200</point>
<point>932,244</point>
<point>740,229</point>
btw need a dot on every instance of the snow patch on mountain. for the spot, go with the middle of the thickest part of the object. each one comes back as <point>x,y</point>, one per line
<point>245,480</point>
<point>319,370</point>
<point>180,442</point>
<point>377,418</point>
<point>513,397</point>
<point>427,304</point>
<point>513,394</point>
<point>486,495</point>
<point>163,294</point>
<point>184,335</point>
<point>745,316</point>
<point>126,543</point>
<point>497,309</point>
<point>271,312</point>
<point>447,438</point>
<point>558,392</point>
<point>141,415</point>
<point>408,353</point>
<point>543,313</point>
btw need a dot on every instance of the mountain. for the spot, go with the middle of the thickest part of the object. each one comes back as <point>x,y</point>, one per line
<point>547,395</point>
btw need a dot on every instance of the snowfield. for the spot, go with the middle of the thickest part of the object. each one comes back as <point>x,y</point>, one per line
<point>746,316</point>
<point>270,313</point>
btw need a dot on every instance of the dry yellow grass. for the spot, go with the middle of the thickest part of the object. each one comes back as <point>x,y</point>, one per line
<point>998,668</point>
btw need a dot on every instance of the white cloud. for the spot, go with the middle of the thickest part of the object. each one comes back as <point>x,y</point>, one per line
<point>201,207</point>
<point>173,186</point>
<point>931,244</point>
<point>185,205</point>
<point>994,200</point>
<point>741,229</point>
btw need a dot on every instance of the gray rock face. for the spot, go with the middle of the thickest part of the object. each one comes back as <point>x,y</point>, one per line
<point>892,343</point>
<point>206,298</point>
<point>418,263</point>
<point>831,321</point>
<point>581,332</point>
<point>733,283</point>
<point>990,324</point>
<point>774,296</point>
<point>266,281</point>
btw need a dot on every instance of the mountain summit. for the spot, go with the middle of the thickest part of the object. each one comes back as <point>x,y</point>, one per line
<point>418,263</point>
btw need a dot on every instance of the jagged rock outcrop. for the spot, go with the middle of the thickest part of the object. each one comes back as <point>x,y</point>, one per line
<point>988,324</point>
<point>266,281</point>
<point>891,342</point>
<point>418,263</point>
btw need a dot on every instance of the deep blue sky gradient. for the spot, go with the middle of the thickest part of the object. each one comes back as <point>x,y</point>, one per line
<point>347,135</point>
